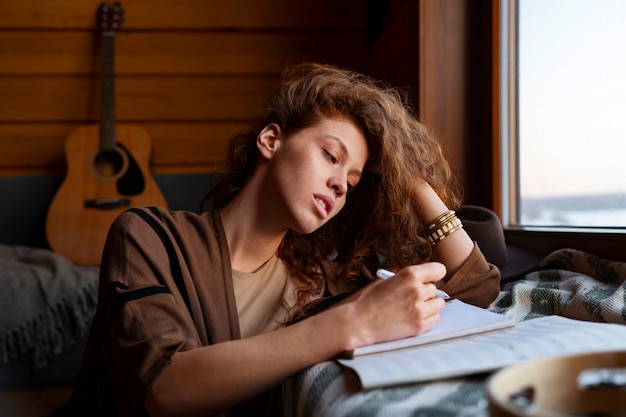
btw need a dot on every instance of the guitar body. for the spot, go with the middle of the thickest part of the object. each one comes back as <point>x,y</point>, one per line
<point>98,187</point>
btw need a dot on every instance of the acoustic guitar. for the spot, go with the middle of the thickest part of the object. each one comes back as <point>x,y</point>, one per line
<point>107,168</point>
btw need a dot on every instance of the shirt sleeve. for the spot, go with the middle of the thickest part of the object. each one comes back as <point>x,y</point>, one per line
<point>477,282</point>
<point>144,318</point>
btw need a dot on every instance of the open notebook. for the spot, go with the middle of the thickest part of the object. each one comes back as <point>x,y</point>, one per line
<point>485,352</point>
<point>457,320</point>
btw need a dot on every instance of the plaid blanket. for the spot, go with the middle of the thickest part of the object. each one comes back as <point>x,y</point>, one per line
<point>568,283</point>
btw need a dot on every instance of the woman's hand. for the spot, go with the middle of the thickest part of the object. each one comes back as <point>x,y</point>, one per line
<point>401,306</point>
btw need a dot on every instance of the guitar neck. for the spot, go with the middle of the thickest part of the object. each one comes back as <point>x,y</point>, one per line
<point>107,104</point>
<point>110,17</point>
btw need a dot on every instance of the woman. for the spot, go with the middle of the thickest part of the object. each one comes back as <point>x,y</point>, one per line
<point>202,314</point>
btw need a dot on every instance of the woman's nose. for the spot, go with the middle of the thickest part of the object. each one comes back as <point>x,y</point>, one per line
<point>339,185</point>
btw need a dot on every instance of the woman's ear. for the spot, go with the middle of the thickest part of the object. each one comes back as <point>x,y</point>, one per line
<point>267,140</point>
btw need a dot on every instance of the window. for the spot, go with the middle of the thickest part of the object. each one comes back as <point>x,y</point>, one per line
<point>563,110</point>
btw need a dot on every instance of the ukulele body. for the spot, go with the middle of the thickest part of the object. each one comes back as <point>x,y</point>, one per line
<point>99,185</point>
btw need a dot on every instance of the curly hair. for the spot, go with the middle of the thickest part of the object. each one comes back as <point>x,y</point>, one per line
<point>380,225</point>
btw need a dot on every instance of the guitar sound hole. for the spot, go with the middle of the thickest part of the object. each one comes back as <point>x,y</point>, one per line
<point>109,164</point>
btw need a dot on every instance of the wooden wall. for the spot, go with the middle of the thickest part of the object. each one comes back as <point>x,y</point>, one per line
<point>189,71</point>
<point>192,71</point>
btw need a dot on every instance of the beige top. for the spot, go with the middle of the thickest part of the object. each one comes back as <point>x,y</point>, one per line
<point>263,297</point>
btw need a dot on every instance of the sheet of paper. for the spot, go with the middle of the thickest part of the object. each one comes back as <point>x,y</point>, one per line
<point>531,339</point>
<point>458,319</point>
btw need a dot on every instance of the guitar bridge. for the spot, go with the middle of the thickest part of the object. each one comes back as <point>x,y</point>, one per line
<point>107,203</point>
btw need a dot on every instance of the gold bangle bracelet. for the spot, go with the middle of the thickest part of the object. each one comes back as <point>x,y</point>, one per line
<point>442,227</point>
<point>435,224</point>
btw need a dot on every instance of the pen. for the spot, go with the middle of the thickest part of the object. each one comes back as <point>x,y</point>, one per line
<point>385,274</point>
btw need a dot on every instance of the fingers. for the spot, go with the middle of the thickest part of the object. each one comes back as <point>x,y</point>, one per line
<point>403,305</point>
<point>428,272</point>
<point>429,314</point>
<point>417,286</point>
<point>421,278</point>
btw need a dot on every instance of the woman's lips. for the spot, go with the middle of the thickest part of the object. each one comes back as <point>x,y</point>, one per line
<point>324,204</point>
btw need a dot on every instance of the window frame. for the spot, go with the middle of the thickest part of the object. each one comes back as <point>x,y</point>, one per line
<point>606,242</point>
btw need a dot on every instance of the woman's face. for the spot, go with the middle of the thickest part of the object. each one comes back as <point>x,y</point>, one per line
<point>312,170</point>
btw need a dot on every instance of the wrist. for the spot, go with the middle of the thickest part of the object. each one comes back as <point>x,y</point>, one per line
<point>345,326</point>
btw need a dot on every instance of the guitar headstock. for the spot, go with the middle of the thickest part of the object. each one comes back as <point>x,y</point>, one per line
<point>110,17</point>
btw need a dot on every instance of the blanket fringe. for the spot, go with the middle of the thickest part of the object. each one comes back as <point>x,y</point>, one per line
<point>54,330</point>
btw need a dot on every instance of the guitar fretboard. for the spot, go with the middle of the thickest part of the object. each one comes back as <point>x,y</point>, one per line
<point>107,104</point>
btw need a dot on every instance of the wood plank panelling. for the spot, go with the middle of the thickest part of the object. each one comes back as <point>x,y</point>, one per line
<point>203,147</point>
<point>189,14</point>
<point>189,71</point>
<point>77,53</point>
<point>141,98</point>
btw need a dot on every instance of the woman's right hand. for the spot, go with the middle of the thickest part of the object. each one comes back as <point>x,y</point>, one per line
<point>401,306</point>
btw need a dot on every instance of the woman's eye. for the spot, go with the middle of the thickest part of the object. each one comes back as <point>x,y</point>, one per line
<point>331,158</point>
